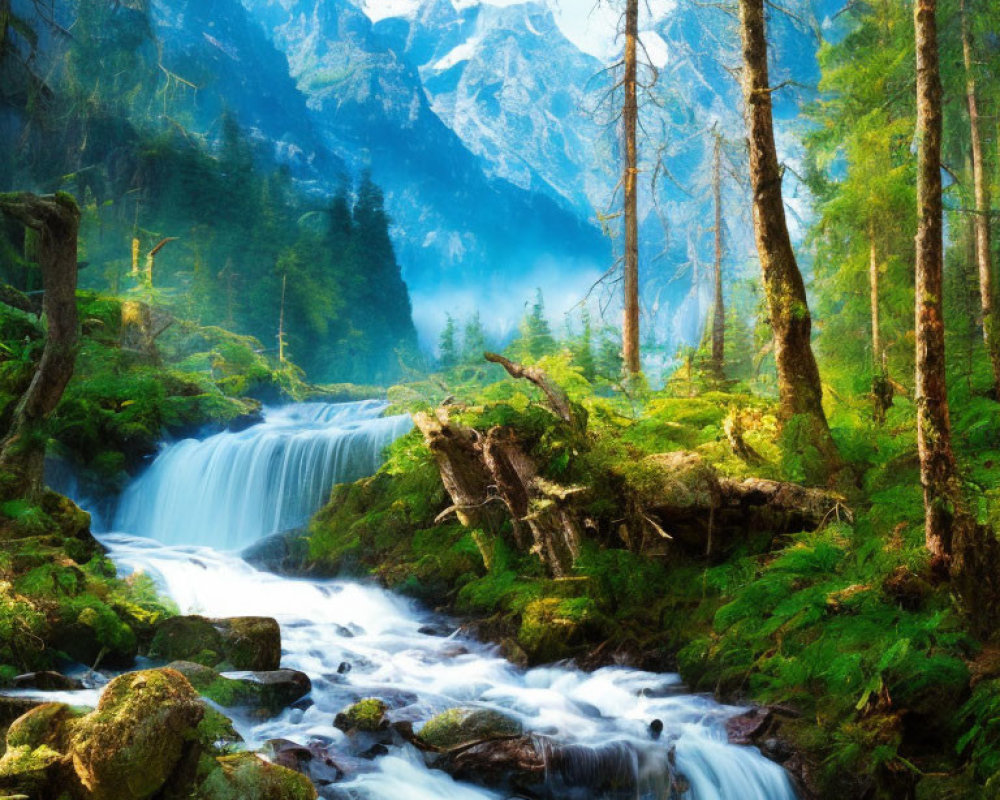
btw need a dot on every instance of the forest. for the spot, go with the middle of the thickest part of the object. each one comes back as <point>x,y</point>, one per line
<point>287,513</point>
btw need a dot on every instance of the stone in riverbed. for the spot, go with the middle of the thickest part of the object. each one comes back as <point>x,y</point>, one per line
<point>365,716</point>
<point>459,726</point>
<point>239,643</point>
<point>271,691</point>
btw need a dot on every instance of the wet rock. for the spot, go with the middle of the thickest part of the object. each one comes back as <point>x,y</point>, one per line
<point>435,629</point>
<point>375,751</point>
<point>747,727</point>
<point>656,728</point>
<point>515,761</point>
<point>239,643</point>
<point>314,760</point>
<point>365,716</point>
<point>46,681</point>
<point>284,553</point>
<point>460,726</point>
<point>244,776</point>
<point>129,746</point>
<point>270,691</point>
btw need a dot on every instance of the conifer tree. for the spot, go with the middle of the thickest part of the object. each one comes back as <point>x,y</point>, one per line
<point>447,345</point>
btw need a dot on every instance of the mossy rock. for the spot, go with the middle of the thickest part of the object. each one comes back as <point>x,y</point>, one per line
<point>31,772</point>
<point>270,691</point>
<point>365,716</point>
<point>43,725</point>
<point>460,726</point>
<point>130,745</point>
<point>244,776</point>
<point>239,643</point>
<point>554,628</point>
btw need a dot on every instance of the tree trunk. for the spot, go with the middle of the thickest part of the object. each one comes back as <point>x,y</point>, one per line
<point>56,219</point>
<point>981,218</point>
<point>719,316</point>
<point>937,461</point>
<point>958,545</point>
<point>800,390</point>
<point>630,117</point>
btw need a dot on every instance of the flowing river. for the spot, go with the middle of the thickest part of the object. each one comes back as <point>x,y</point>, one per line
<point>185,520</point>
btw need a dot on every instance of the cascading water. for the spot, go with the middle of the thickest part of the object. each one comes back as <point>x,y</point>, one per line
<point>201,498</point>
<point>233,489</point>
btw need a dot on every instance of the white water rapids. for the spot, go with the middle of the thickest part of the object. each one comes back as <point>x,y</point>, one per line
<point>183,519</point>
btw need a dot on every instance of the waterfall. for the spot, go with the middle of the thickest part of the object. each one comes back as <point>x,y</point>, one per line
<point>232,489</point>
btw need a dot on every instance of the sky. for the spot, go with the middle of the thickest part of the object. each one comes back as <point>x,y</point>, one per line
<point>590,24</point>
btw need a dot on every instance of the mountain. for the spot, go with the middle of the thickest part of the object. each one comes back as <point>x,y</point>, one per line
<point>464,232</point>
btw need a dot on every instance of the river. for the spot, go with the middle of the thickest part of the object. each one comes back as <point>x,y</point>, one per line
<point>185,520</point>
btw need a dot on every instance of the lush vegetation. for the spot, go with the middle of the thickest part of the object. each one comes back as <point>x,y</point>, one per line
<point>184,208</point>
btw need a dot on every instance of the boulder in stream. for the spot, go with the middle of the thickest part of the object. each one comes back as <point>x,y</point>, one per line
<point>238,643</point>
<point>365,716</point>
<point>461,726</point>
<point>270,691</point>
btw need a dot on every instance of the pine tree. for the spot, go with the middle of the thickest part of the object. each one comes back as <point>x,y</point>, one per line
<point>447,345</point>
<point>474,340</point>
<point>535,338</point>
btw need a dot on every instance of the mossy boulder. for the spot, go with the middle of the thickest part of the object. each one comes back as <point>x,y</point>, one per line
<point>28,772</point>
<point>554,628</point>
<point>130,745</point>
<point>462,726</point>
<point>244,776</point>
<point>270,691</point>
<point>239,643</point>
<point>365,716</point>
<point>42,725</point>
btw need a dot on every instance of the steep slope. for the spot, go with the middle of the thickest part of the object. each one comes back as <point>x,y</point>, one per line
<point>461,234</point>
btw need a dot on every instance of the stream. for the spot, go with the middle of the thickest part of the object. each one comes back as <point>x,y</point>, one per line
<point>185,520</point>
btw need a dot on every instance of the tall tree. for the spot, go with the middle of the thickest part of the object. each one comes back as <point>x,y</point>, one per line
<point>958,545</point>
<point>630,180</point>
<point>938,470</point>
<point>56,221</point>
<point>800,390</point>
<point>981,217</point>
<point>719,304</point>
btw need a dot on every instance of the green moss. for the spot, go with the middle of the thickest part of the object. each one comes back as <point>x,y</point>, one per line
<point>365,716</point>
<point>458,726</point>
<point>244,776</point>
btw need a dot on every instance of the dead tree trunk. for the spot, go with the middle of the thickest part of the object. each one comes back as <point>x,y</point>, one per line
<point>719,315</point>
<point>981,217</point>
<point>800,390</point>
<point>958,545</point>
<point>56,220</point>
<point>630,180</point>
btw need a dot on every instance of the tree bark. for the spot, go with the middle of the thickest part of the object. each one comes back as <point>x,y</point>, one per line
<point>56,219</point>
<point>630,117</point>
<point>937,460</point>
<point>981,218</point>
<point>800,390</point>
<point>719,316</point>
